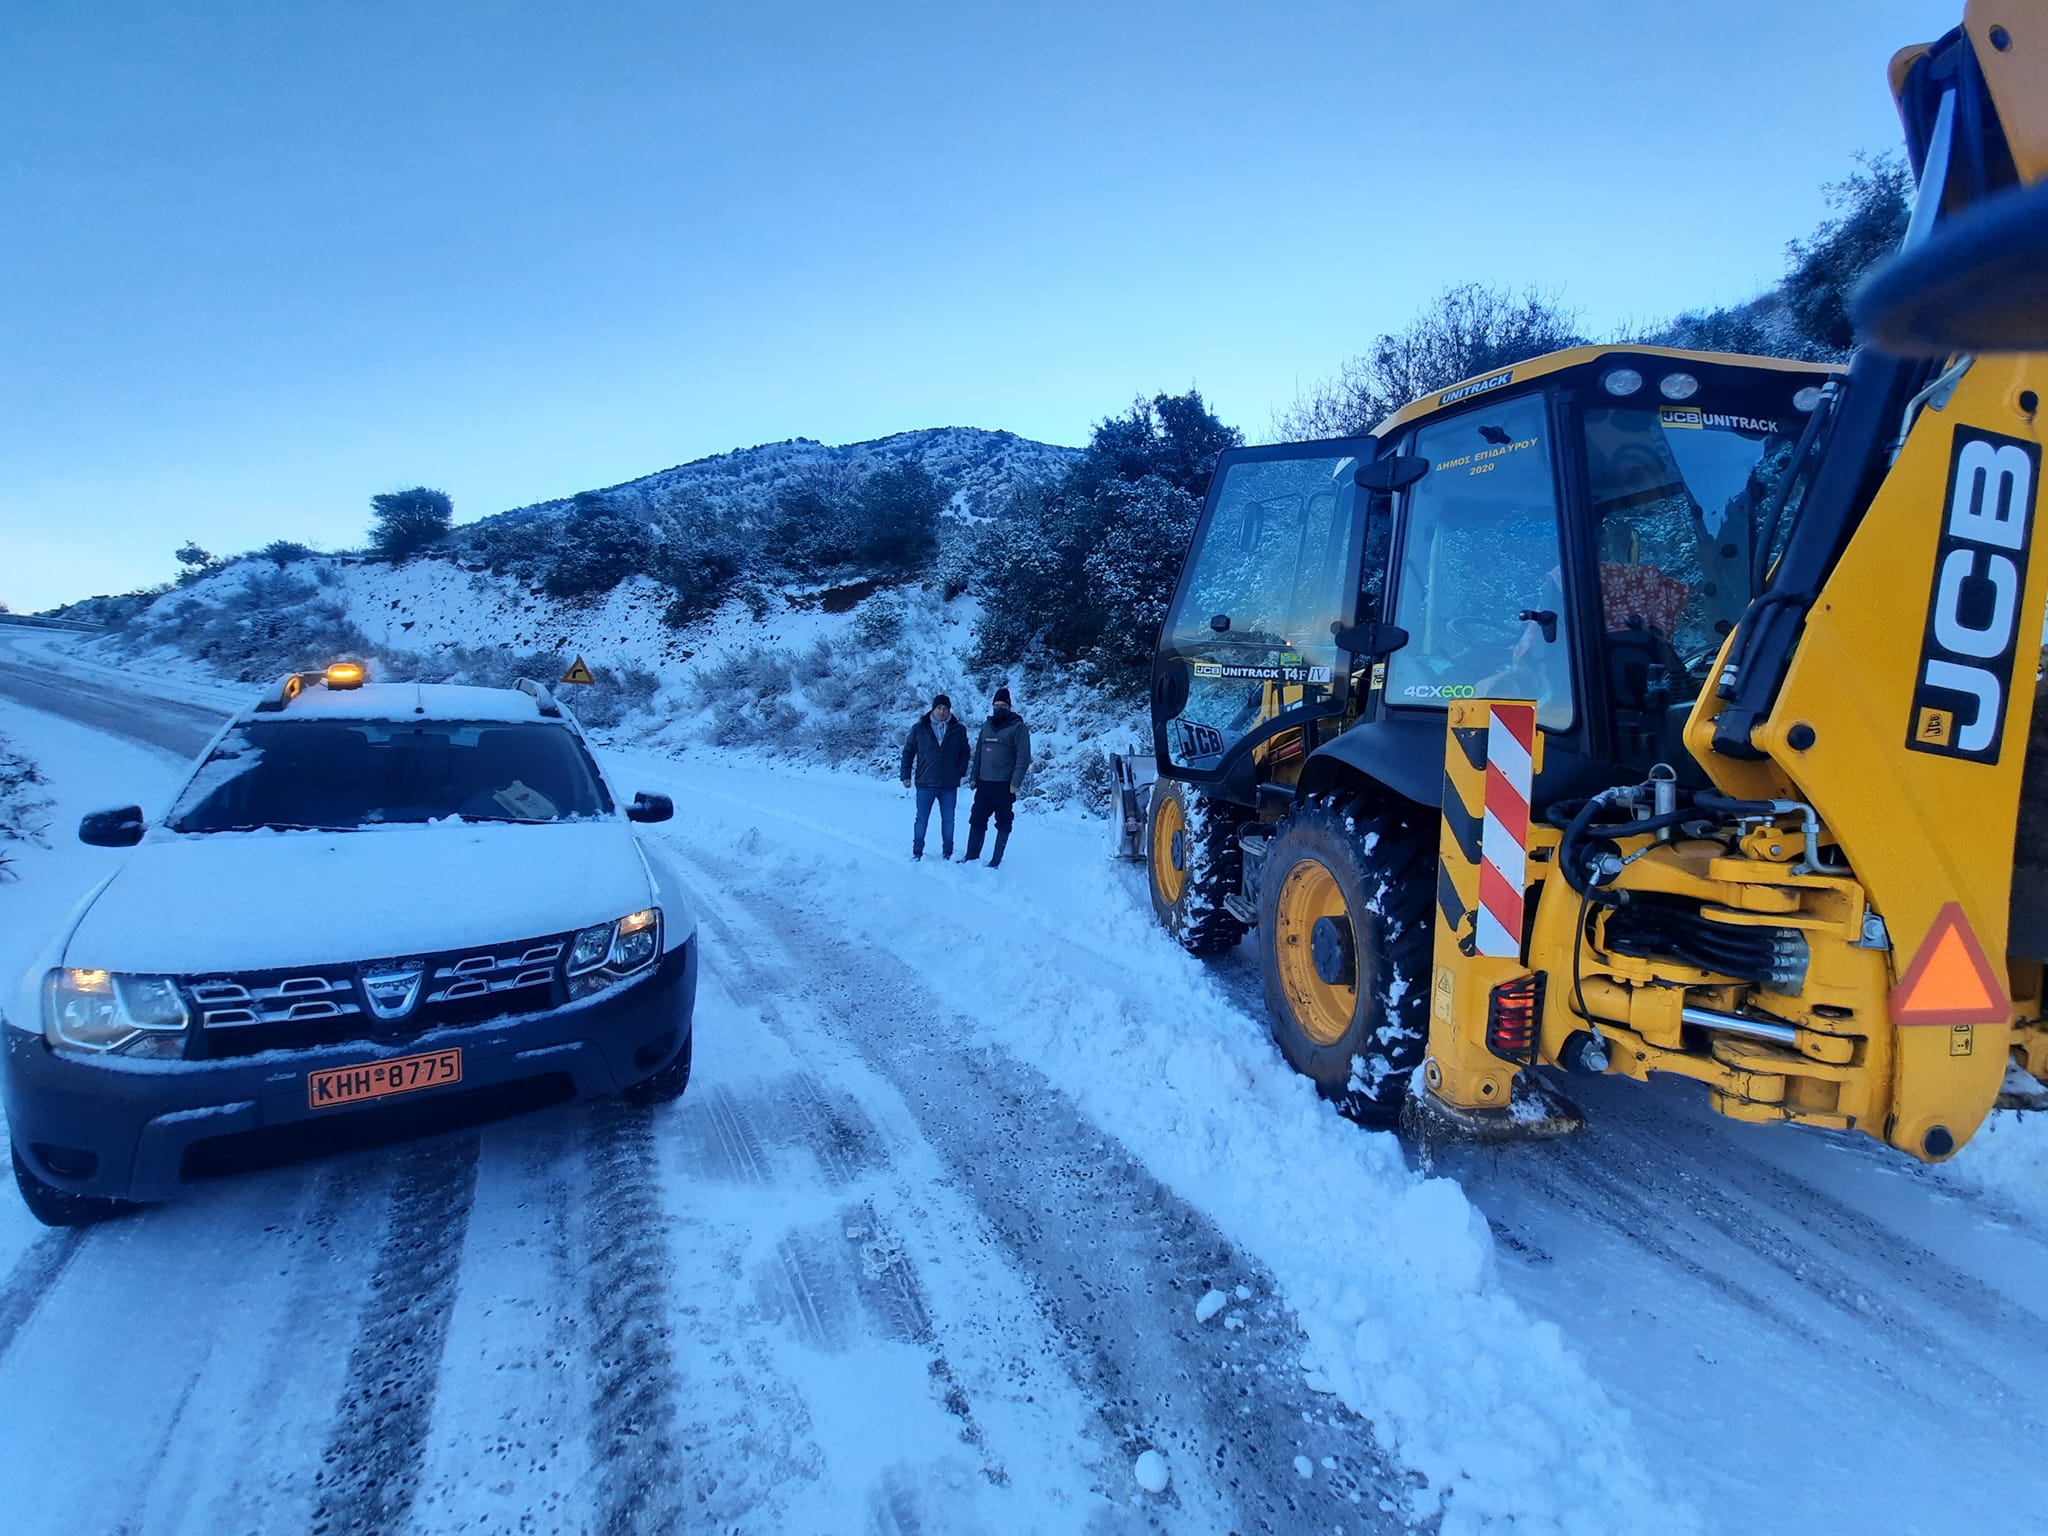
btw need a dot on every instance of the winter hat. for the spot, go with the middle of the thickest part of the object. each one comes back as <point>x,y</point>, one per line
<point>940,698</point>
<point>1002,695</point>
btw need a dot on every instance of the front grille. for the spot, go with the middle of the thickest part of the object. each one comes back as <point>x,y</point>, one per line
<point>246,1013</point>
<point>230,1003</point>
<point>493,973</point>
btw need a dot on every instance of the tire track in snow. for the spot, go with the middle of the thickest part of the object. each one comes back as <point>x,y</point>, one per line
<point>370,1469</point>
<point>1107,1247</point>
<point>634,1381</point>
<point>1819,1247</point>
<point>34,1275</point>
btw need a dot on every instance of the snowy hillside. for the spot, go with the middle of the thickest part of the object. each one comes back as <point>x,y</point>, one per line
<point>824,660</point>
<point>982,468</point>
<point>832,675</point>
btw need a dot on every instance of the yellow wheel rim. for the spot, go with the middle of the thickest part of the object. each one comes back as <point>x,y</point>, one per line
<point>1323,1010</point>
<point>1168,823</point>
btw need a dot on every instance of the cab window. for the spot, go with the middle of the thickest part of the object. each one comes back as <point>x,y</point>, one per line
<point>1267,586</point>
<point>1678,495</point>
<point>1480,550</point>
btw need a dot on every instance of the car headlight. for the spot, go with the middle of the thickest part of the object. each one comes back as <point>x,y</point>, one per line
<point>102,1013</point>
<point>609,953</point>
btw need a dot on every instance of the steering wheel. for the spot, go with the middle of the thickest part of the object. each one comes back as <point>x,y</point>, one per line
<point>1702,665</point>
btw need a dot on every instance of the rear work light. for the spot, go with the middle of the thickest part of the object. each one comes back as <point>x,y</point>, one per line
<point>1514,1019</point>
<point>344,674</point>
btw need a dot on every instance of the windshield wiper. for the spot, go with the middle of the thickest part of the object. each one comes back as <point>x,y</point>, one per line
<point>277,826</point>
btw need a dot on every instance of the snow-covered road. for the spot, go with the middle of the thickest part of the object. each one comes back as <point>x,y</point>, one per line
<point>981,1191</point>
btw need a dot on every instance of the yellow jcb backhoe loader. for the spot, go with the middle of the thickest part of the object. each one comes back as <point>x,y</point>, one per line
<point>1631,710</point>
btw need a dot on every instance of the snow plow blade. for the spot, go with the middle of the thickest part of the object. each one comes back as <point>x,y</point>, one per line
<point>1537,1112</point>
<point>1136,775</point>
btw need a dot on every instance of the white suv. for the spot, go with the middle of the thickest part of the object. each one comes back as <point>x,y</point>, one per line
<point>373,910</point>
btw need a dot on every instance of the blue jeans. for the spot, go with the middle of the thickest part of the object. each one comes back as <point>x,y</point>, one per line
<point>946,800</point>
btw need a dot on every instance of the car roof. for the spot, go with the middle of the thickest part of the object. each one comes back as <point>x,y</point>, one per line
<point>405,702</point>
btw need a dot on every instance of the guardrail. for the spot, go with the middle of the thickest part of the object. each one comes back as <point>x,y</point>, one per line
<point>37,621</point>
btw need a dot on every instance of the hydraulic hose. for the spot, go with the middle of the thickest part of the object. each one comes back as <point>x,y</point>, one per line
<point>1577,828</point>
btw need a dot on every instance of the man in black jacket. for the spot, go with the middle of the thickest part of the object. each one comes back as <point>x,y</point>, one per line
<point>1002,756</point>
<point>935,759</point>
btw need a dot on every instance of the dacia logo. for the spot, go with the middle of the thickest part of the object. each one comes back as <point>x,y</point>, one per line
<point>391,990</point>
<point>1973,612</point>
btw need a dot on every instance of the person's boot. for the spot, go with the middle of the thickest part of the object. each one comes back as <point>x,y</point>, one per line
<point>996,858</point>
<point>973,845</point>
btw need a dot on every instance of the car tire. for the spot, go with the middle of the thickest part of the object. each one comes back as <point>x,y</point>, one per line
<point>55,1207</point>
<point>667,1085</point>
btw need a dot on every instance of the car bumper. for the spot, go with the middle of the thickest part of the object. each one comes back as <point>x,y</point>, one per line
<point>141,1131</point>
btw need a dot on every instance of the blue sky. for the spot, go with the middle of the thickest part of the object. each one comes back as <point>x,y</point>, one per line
<point>260,261</point>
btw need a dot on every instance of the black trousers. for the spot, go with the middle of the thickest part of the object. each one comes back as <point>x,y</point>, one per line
<point>990,800</point>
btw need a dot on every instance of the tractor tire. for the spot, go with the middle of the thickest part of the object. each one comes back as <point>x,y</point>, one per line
<point>1345,908</point>
<point>1194,862</point>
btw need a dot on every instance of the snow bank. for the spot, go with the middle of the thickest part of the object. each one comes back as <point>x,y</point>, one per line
<point>84,771</point>
<point>1055,959</point>
<point>2008,1161</point>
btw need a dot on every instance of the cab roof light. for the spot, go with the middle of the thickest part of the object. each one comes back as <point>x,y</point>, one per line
<point>343,675</point>
<point>544,700</point>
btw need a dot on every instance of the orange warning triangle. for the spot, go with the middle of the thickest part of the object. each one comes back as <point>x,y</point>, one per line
<point>1950,981</point>
<point>578,673</point>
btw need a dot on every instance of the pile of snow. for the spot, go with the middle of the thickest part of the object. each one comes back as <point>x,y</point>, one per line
<point>2008,1161</point>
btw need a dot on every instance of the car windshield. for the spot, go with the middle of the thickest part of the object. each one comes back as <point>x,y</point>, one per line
<point>336,775</point>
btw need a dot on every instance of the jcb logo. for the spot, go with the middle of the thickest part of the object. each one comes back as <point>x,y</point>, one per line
<point>1973,612</point>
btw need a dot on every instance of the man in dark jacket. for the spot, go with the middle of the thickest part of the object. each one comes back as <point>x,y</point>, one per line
<point>1002,756</point>
<point>935,760</point>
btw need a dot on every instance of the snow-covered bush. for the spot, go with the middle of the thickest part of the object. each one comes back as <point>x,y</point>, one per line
<point>24,808</point>
<point>616,694</point>
<point>256,622</point>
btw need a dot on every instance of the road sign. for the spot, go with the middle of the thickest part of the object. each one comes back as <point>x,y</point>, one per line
<point>578,673</point>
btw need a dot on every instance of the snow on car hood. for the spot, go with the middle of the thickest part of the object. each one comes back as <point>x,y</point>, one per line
<point>229,901</point>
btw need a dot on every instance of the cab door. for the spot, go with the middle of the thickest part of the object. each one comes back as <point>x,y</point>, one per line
<point>1248,649</point>
<point>1480,585</point>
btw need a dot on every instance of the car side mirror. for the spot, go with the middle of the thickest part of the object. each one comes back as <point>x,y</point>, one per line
<point>1171,682</point>
<point>1371,639</point>
<point>646,807</point>
<point>122,828</point>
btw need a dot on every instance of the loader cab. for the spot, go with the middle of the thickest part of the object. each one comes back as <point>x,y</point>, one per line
<point>1582,530</point>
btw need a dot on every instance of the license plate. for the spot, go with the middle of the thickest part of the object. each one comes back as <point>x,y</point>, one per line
<point>381,1079</point>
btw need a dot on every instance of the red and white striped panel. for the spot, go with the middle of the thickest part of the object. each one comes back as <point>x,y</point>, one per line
<point>1504,835</point>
